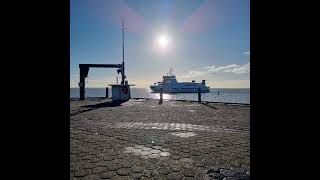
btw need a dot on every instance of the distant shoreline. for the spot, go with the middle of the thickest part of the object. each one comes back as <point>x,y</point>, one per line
<point>146,88</point>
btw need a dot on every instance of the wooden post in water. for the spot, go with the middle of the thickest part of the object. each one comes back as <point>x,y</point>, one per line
<point>199,95</point>
<point>161,97</point>
<point>107,92</point>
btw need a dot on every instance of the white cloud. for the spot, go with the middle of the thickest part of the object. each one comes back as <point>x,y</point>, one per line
<point>246,53</point>
<point>232,68</point>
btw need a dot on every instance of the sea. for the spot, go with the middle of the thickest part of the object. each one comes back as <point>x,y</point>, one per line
<point>215,95</point>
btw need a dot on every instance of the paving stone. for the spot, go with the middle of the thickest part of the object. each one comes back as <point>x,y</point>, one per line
<point>163,164</point>
<point>140,163</point>
<point>113,167</point>
<point>92,177</point>
<point>120,178</point>
<point>89,166</point>
<point>242,176</point>
<point>175,168</point>
<point>228,173</point>
<point>213,169</point>
<point>157,147</point>
<point>160,177</point>
<point>216,176</point>
<point>98,170</point>
<point>202,176</point>
<point>185,165</point>
<point>152,161</point>
<point>163,170</point>
<point>154,156</point>
<point>127,164</point>
<point>137,169</point>
<point>95,160</point>
<point>154,151</point>
<point>117,161</point>
<point>108,174</point>
<point>175,157</point>
<point>239,170</point>
<point>150,166</point>
<point>81,173</point>
<point>124,171</point>
<point>137,151</point>
<point>121,156</point>
<point>188,178</point>
<point>174,176</point>
<point>189,172</point>
<point>145,153</point>
<point>230,178</point>
<point>146,149</point>
<point>146,173</point>
<point>163,154</point>
<point>74,178</point>
<point>135,176</point>
<point>185,155</point>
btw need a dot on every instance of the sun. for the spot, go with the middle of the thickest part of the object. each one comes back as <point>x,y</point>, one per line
<point>163,41</point>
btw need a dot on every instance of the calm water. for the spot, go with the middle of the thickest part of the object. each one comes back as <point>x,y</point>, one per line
<point>215,95</point>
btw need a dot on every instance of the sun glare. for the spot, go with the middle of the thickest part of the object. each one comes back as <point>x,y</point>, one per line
<point>163,41</point>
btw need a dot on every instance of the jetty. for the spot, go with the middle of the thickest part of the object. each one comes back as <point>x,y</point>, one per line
<point>142,139</point>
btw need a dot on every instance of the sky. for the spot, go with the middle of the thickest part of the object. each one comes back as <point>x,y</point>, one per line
<point>199,39</point>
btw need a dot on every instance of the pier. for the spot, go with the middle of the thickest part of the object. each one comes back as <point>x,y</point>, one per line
<point>142,139</point>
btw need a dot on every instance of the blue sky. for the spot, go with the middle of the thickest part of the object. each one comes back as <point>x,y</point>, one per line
<point>207,39</point>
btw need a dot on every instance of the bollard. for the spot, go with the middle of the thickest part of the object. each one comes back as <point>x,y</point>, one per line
<point>199,95</point>
<point>161,97</point>
<point>107,92</point>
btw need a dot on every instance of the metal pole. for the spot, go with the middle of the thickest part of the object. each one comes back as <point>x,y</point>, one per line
<point>107,92</point>
<point>161,97</point>
<point>199,95</point>
<point>122,81</point>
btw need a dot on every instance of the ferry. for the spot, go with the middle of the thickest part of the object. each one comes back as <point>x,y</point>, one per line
<point>170,84</point>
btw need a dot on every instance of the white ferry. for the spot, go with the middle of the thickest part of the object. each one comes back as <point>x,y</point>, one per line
<point>171,85</point>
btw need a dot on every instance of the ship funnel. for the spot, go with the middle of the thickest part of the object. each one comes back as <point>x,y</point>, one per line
<point>204,82</point>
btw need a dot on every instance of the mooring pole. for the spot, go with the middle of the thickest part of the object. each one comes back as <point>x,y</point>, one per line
<point>107,92</point>
<point>199,95</point>
<point>161,97</point>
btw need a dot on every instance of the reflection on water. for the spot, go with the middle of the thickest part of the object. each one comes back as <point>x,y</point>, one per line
<point>164,96</point>
<point>215,95</point>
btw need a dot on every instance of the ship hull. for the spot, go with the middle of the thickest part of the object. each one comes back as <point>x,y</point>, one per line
<point>156,89</point>
<point>171,85</point>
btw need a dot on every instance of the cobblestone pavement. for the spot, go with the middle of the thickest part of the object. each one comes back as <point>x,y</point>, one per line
<point>140,139</point>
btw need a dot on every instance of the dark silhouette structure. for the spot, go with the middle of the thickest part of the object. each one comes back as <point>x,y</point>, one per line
<point>199,95</point>
<point>84,70</point>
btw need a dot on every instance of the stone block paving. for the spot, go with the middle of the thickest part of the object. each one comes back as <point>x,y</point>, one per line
<point>141,139</point>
